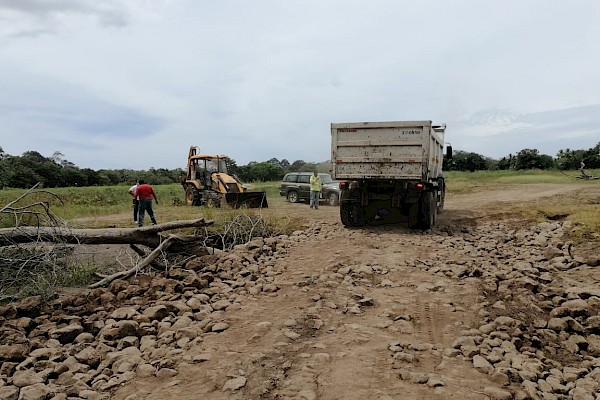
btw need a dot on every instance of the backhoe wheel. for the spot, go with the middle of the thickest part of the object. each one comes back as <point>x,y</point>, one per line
<point>333,199</point>
<point>213,202</point>
<point>429,211</point>
<point>293,197</point>
<point>352,214</point>
<point>191,196</point>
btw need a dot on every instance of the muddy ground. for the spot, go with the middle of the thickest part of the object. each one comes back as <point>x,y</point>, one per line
<point>484,306</point>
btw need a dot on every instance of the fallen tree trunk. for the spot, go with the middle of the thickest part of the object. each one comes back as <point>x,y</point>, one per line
<point>148,235</point>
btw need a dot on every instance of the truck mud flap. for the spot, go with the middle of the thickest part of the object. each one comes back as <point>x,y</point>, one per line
<point>247,199</point>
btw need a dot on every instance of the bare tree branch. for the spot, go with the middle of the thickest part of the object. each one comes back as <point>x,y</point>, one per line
<point>142,264</point>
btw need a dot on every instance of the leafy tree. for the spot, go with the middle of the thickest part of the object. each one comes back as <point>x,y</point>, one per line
<point>92,178</point>
<point>57,157</point>
<point>19,175</point>
<point>531,159</point>
<point>506,163</point>
<point>73,176</point>
<point>546,162</point>
<point>465,161</point>
<point>569,159</point>
<point>243,173</point>
<point>591,157</point>
<point>47,169</point>
<point>264,171</point>
<point>110,177</point>
<point>103,179</point>
<point>232,166</point>
<point>4,171</point>
<point>492,164</point>
<point>297,166</point>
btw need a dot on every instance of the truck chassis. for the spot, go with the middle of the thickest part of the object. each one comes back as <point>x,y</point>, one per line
<point>373,202</point>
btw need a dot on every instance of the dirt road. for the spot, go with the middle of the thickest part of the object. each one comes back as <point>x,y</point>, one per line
<point>363,314</point>
<point>477,308</point>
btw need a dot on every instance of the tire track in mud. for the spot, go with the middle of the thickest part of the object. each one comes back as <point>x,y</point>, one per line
<point>345,349</point>
<point>423,322</point>
<point>325,363</point>
<point>438,322</point>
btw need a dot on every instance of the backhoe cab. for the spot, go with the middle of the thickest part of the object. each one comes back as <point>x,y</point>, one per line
<point>208,183</point>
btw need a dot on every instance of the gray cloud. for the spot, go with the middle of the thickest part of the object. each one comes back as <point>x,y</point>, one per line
<point>21,18</point>
<point>56,116</point>
<point>497,133</point>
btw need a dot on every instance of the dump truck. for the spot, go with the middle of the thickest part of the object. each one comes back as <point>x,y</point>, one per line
<point>208,183</point>
<point>389,172</point>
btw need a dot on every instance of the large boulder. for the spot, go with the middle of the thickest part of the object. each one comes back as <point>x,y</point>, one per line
<point>13,352</point>
<point>66,334</point>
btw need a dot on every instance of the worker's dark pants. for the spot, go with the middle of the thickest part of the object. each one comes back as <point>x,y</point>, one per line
<point>145,205</point>
<point>136,209</point>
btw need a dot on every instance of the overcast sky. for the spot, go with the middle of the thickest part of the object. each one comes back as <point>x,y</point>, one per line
<point>133,83</point>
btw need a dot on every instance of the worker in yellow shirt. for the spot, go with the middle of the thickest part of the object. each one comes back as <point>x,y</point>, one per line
<point>315,190</point>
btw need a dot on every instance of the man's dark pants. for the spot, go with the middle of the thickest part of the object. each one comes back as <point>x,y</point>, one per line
<point>145,205</point>
<point>136,209</point>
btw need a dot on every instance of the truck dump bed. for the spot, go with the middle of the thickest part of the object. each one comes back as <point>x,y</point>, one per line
<point>408,150</point>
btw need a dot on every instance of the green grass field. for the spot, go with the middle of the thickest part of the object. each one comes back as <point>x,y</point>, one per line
<point>465,182</point>
<point>111,205</point>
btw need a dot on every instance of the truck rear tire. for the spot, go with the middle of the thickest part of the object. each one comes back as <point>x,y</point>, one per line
<point>429,210</point>
<point>352,214</point>
<point>413,216</point>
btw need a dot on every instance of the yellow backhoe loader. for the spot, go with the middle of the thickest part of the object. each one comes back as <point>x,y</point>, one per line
<point>208,183</point>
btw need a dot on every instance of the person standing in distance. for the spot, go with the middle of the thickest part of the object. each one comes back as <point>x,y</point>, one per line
<point>136,201</point>
<point>145,193</point>
<point>315,190</point>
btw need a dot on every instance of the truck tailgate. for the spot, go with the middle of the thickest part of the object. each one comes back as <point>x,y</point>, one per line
<point>381,150</point>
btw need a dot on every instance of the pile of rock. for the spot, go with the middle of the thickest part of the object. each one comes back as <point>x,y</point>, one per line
<point>539,337</point>
<point>84,346</point>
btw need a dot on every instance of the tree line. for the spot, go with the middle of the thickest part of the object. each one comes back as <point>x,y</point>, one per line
<point>525,159</point>
<point>274,169</point>
<point>31,167</point>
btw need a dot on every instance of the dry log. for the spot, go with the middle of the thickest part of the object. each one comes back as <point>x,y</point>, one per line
<point>148,235</point>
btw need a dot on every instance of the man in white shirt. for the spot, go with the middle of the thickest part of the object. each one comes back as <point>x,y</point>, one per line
<point>136,201</point>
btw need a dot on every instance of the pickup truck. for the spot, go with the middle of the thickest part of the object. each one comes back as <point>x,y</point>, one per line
<point>295,187</point>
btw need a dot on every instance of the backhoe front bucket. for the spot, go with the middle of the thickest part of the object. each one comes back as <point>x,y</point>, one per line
<point>247,199</point>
